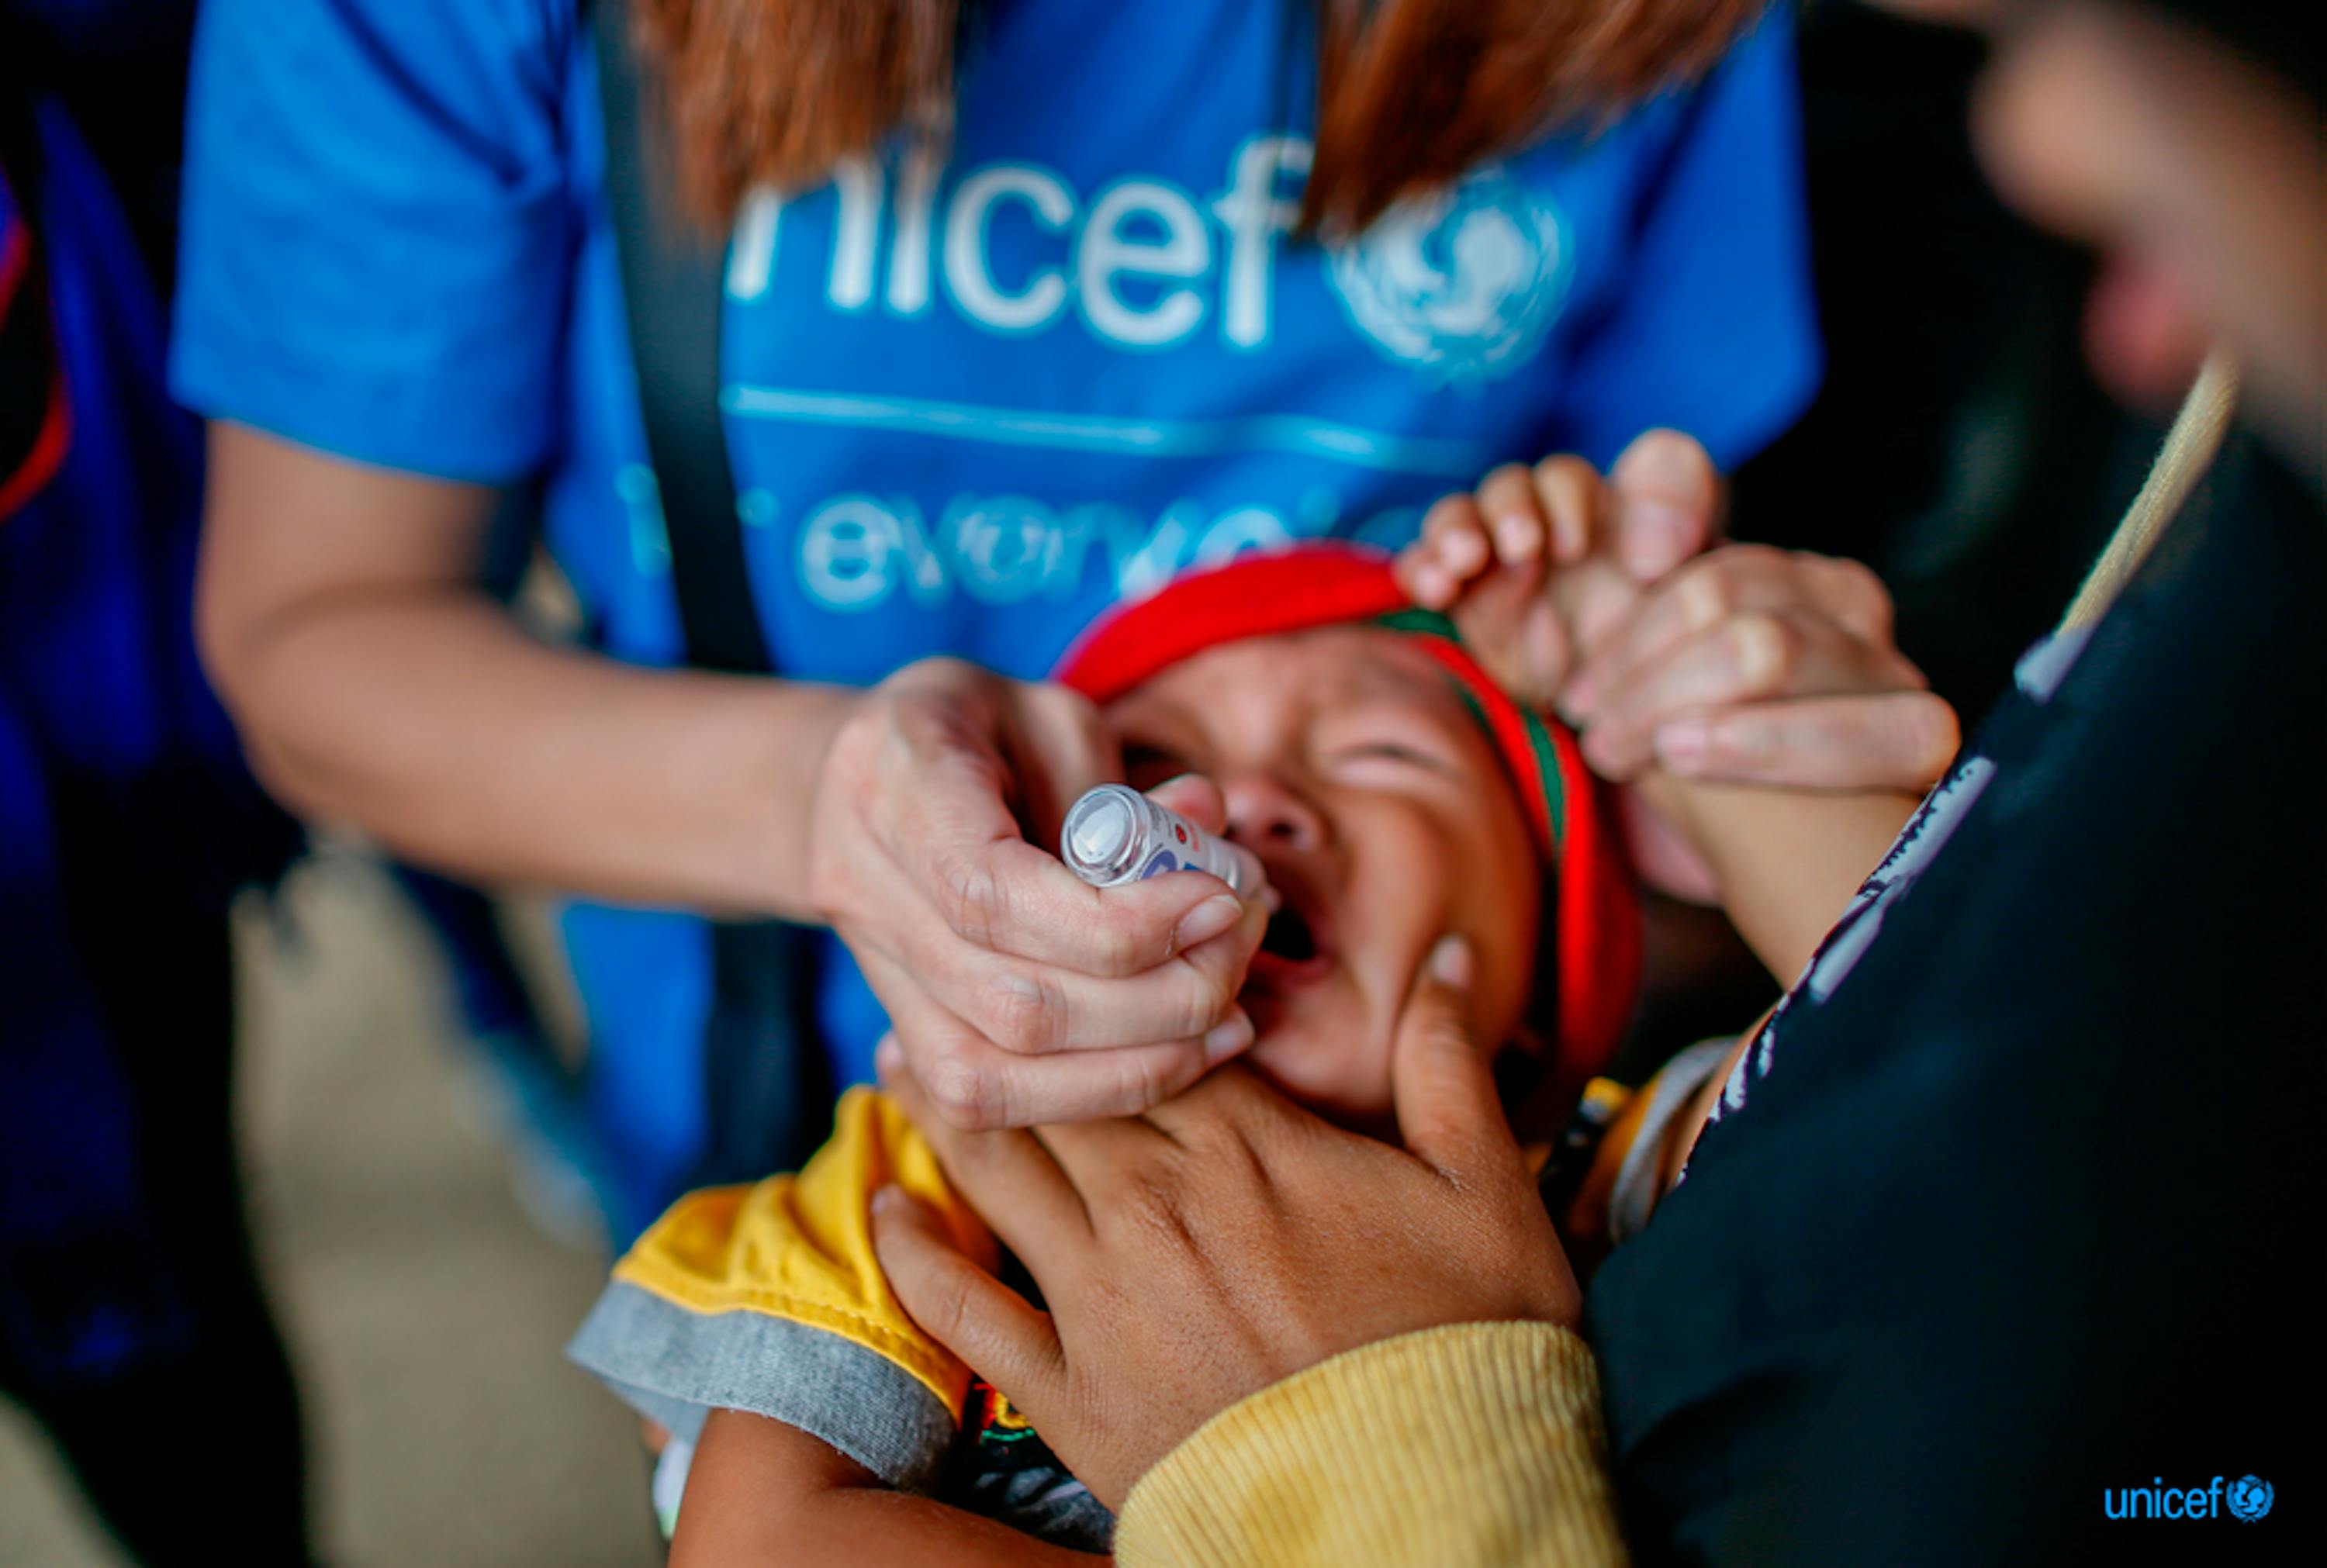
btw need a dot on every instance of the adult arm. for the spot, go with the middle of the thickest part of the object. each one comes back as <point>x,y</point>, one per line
<point>376,685</point>
<point>1270,1341</point>
<point>1470,1444</point>
<point>1784,862</point>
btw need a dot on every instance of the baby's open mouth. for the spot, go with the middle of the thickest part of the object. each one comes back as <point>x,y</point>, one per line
<point>1289,936</point>
<point>1295,948</point>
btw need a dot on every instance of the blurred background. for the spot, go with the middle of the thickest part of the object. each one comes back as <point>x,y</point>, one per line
<point>426,1215</point>
<point>425,1281</point>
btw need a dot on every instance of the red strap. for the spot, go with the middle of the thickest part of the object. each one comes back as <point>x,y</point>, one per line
<point>22,479</point>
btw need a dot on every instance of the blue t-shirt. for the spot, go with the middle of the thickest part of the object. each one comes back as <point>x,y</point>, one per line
<point>968,405</point>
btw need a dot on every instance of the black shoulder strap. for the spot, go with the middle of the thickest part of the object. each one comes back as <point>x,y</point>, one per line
<point>767,1088</point>
<point>671,291</point>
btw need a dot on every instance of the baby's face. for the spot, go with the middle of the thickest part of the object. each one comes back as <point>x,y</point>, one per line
<point>1352,768</point>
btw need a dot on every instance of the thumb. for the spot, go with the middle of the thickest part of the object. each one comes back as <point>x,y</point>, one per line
<point>1448,1112</point>
<point>1203,802</point>
<point>1058,745</point>
<point>983,1321</point>
<point>1195,797</point>
<point>1665,502</point>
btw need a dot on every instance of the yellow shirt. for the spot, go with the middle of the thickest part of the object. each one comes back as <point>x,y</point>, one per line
<point>768,1298</point>
<point>800,1247</point>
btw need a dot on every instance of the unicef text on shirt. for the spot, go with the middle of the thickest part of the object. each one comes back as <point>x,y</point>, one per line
<point>2248,1498</point>
<point>1144,230</point>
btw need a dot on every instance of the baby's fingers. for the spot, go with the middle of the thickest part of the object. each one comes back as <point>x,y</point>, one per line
<point>1453,549</point>
<point>1571,499</point>
<point>1516,516</point>
<point>1667,500</point>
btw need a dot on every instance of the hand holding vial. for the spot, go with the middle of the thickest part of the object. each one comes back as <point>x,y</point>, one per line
<point>1020,992</point>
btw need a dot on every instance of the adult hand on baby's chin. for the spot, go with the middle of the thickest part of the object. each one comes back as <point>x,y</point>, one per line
<point>1021,993</point>
<point>1227,1240</point>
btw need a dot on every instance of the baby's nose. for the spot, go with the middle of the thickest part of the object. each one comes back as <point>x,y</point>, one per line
<point>1263,811</point>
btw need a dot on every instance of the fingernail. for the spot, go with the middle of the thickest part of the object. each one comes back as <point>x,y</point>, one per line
<point>888,1197</point>
<point>1655,534</point>
<point>1577,703</point>
<point>1601,755</point>
<point>1450,962</point>
<point>1230,1036</point>
<point>1516,539</point>
<point>1664,455</point>
<point>1760,649</point>
<point>1219,913</point>
<point>1570,541</point>
<point>888,1058</point>
<point>1703,603</point>
<point>1681,745</point>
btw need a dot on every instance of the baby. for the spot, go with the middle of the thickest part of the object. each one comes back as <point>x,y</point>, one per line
<point>1393,794</point>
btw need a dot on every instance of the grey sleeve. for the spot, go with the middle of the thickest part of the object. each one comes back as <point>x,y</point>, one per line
<point>674,1367</point>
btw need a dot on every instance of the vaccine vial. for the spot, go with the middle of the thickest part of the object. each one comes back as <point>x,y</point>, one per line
<point>1115,835</point>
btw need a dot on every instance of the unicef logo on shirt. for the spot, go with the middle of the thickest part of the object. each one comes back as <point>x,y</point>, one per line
<point>1463,284</point>
<point>2248,1498</point>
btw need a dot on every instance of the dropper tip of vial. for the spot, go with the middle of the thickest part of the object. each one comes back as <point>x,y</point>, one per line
<point>1100,830</point>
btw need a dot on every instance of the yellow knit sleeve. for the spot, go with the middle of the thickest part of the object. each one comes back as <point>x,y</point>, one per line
<point>1475,1444</point>
<point>800,1248</point>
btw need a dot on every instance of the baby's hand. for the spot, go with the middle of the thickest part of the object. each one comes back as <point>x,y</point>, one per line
<point>1538,564</point>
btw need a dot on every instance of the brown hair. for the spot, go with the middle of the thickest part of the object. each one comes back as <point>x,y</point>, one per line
<point>1410,92</point>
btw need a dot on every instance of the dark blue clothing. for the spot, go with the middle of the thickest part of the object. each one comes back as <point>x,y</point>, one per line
<point>2015,1203</point>
<point>131,1323</point>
